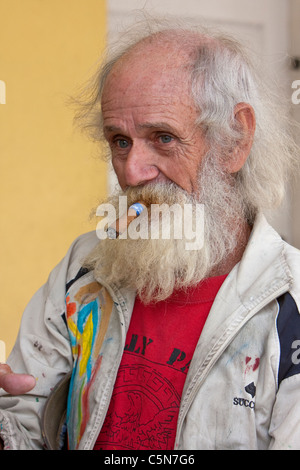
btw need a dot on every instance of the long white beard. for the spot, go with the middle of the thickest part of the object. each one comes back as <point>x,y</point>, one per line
<point>155,267</point>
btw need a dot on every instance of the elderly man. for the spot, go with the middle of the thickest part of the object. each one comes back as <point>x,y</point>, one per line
<point>172,348</point>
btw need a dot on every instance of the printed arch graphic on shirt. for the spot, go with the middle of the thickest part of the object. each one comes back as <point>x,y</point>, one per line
<point>150,405</point>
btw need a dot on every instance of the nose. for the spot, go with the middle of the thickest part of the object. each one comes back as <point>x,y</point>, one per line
<point>139,168</point>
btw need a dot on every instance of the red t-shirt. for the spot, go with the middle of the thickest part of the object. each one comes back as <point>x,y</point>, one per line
<point>159,347</point>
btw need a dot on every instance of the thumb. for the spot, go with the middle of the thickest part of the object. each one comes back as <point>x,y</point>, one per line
<point>15,384</point>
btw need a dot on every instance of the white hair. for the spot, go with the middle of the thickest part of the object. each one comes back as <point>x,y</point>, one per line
<point>222,76</point>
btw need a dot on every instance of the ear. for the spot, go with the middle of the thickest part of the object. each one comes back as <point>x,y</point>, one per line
<point>245,122</point>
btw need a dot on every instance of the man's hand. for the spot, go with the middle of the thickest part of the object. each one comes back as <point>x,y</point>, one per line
<point>15,384</point>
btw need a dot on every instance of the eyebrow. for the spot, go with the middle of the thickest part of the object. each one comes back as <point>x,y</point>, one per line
<point>146,125</point>
<point>111,129</point>
<point>156,125</point>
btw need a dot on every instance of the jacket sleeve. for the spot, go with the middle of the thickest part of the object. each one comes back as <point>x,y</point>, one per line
<point>43,350</point>
<point>285,424</point>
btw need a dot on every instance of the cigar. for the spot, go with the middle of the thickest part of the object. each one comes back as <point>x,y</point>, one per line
<point>121,224</point>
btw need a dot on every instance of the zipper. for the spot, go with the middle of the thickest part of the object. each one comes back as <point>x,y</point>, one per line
<point>207,365</point>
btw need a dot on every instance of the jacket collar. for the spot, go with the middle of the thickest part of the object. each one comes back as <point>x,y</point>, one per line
<point>262,271</point>
<point>263,268</point>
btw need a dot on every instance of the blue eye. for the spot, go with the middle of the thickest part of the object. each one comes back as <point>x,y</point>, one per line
<point>122,143</point>
<point>166,139</point>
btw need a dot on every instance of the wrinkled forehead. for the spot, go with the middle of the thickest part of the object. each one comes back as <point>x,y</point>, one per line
<point>155,59</point>
<point>153,74</point>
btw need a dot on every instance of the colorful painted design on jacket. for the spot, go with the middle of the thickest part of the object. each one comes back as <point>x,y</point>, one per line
<point>88,314</point>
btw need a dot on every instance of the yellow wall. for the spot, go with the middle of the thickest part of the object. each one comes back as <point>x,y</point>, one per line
<point>50,177</point>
